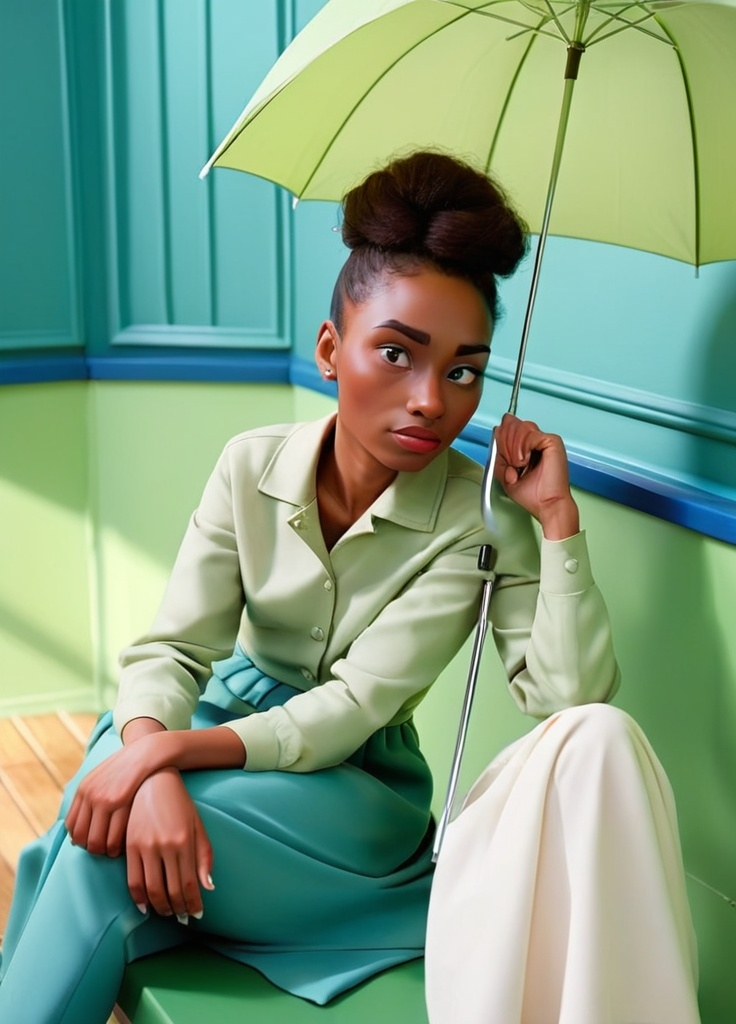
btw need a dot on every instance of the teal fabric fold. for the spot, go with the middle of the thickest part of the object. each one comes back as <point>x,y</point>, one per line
<point>321,879</point>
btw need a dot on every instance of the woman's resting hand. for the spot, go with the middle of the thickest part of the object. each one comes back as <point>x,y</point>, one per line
<point>98,815</point>
<point>169,855</point>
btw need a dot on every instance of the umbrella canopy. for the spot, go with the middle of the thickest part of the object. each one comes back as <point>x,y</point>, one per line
<point>649,156</point>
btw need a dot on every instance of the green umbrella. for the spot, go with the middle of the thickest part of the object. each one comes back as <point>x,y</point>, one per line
<point>649,145</point>
<point>645,157</point>
<point>650,152</point>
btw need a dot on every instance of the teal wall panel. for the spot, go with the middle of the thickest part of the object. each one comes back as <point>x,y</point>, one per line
<point>633,356</point>
<point>194,263</point>
<point>38,272</point>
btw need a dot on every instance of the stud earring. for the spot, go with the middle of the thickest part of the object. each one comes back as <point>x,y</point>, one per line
<point>328,373</point>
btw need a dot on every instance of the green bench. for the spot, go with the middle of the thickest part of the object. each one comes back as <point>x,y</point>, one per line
<point>187,987</point>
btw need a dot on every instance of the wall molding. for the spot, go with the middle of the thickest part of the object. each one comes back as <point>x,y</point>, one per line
<point>633,403</point>
<point>167,335</point>
<point>28,338</point>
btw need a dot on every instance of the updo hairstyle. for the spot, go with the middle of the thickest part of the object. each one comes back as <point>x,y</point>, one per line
<point>427,209</point>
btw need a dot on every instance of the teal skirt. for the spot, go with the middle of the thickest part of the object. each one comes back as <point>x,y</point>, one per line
<point>321,879</point>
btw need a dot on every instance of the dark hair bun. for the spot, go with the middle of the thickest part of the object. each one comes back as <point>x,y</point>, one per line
<point>436,207</point>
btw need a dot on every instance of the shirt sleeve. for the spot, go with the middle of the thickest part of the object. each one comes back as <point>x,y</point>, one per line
<point>164,672</point>
<point>550,624</point>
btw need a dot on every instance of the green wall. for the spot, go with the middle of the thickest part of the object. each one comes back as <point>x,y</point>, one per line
<point>96,486</point>
<point>97,482</point>
<point>46,588</point>
<point>152,448</point>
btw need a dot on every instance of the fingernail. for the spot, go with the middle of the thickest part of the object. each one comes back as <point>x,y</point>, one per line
<point>198,915</point>
<point>182,918</point>
<point>210,883</point>
<point>143,908</point>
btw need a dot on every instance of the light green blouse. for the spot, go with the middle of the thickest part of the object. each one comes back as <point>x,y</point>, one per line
<point>365,628</point>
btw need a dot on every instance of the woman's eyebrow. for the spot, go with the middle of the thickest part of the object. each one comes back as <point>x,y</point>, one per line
<point>424,339</point>
<point>471,350</point>
<point>411,332</point>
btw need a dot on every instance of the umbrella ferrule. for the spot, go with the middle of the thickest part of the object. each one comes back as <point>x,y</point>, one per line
<point>574,52</point>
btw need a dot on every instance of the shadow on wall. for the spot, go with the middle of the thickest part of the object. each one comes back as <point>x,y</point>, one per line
<point>679,681</point>
<point>715,367</point>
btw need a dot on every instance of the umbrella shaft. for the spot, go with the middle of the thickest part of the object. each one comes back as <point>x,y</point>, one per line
<point>575,52</point>
<point>475,660</point>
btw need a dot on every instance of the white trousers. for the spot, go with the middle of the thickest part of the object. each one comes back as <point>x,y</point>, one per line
<point>559,896</point>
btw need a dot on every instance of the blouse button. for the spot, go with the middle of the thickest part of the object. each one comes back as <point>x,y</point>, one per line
<point>327,584</point>
<point>307,674</point>
<point>316,633</point>
<point>571,565</point>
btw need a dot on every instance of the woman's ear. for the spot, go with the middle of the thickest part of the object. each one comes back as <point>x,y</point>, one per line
<point>325,353</point>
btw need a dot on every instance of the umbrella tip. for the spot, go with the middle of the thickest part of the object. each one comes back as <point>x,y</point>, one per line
<point>207,167</point>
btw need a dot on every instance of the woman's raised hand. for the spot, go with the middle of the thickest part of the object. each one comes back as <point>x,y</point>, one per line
<point>533,470</point>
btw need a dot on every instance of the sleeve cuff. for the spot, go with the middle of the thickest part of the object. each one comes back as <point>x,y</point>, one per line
<point>259,740</point>
<point>565,565</point>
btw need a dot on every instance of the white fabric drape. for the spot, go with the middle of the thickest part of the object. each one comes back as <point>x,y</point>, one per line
<point>559,896</point>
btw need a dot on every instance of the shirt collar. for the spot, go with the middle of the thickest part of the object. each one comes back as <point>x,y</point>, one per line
<point>412,500</point>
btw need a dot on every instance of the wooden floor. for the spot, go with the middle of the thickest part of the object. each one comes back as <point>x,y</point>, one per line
<point>38,755</point>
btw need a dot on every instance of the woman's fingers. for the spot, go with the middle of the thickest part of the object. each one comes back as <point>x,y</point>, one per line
<point>78,824</point>
<point>166,838</point>
<point>116,828</point>
<point>137,881</point>
<point>155,884</point>
<point>532,466</point>
<point>203,856</point>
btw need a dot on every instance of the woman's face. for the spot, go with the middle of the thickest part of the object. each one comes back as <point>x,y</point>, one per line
<point>409,367</point>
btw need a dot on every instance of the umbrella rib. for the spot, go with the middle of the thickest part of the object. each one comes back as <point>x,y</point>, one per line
<point>557,21</point>
<point>507,100</point>
<point>536,29</point>
<point>694,135</point>
<point>624,28</point>
<point>383,74</point>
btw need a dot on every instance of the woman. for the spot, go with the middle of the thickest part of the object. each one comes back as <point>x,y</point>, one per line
<point>339,557</point>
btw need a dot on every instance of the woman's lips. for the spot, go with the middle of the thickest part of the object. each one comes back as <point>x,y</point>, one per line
<point>417,439</point>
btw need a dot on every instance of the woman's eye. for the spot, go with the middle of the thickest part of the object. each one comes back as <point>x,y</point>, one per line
<point>395,354</point>
<point>464,375</point>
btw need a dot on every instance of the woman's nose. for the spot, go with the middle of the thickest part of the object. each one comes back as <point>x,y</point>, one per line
<point>426,398</point>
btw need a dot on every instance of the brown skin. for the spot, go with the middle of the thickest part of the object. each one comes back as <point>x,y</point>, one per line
<point>409,366</point>
<point>390,385</point>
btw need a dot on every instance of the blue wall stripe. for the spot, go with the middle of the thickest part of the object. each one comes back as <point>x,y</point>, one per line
<point>668,499</point>
<point>678,503</point>
<point>42,370</point>
<point>250,367</point>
